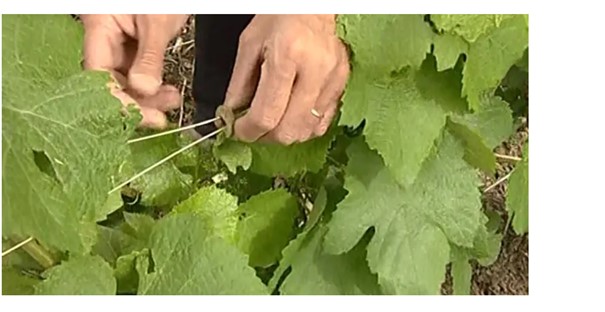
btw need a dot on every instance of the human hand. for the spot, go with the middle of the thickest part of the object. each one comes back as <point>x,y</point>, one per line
<point>132,47</point>
<point>303,71</point>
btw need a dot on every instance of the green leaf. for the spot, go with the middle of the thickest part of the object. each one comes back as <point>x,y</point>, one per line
<point>400,122</point>
<point>266,226</point>
<point>317,273</point>
<point>517,199</point>
<point>233,154</point>
<point>462,272</point>
<point>468,26</point>
<point>124,239</point>
<point>448,49</point>
<point>188,259</point>
<point>14,282</point>
<point>276,159</point>
<point>113,203</point>
<point>63,136</point>
<point>413,226</point>
<point>164,185</point>
<point>482,131</point>
<point>404,40</point>
<point>82,275</point>
<point>491,56</point>
<point>215,206</point>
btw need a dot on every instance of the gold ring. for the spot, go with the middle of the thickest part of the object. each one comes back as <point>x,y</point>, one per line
<point>316,113</point>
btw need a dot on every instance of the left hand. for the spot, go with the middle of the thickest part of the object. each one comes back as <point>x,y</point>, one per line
<point>292,69</point>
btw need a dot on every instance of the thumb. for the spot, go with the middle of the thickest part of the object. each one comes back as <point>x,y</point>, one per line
<point>145,75</point>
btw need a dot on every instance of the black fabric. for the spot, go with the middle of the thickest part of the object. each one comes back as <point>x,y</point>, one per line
<point>216,41</point>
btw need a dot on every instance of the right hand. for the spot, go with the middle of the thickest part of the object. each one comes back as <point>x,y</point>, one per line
<point>131,48</point>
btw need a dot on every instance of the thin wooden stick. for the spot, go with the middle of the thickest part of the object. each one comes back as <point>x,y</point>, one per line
<point>21,244</point>
<point>190,145</point>
<point>201,123</point>
<point>182,104</point>
<point>515,158</point>
<point>497,182</point>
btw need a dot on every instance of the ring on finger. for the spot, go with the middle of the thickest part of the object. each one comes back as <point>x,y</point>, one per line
<point>315,113</point>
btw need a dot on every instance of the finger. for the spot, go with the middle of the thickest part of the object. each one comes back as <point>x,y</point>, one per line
<point>245,74</point>
<point>270,100</point>
<point>145,76</point>
<point>153,118</point>
<point>328,101</point>
<point>167,98</point>
<point>102,49</point>
<point>298,123</point>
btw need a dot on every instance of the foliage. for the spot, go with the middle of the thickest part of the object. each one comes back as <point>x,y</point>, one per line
<point>379,205</point>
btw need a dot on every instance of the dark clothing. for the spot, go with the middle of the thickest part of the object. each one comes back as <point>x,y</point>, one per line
<point>216,41</point>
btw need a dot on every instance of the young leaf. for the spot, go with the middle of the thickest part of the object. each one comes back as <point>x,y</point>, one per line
<point>82,275</point>
<point>233,154</point>
<point>216,207</point>
<point>448,49</point>
<point>188,259</point>
<point>517,199</point>
<point>63,135</point>
<point>266,226</point>
<point>413,226</point>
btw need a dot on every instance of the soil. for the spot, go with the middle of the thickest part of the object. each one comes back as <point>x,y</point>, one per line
<point>508,275</point>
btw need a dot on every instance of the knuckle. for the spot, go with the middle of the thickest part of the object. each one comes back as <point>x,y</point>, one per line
<point>265,122</point>
<point>285,137</point>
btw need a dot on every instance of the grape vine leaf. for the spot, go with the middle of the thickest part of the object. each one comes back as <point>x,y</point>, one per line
<point>482,131</point>
<point>447,50</point>
<point>129,236</point>
<point>215,206</point>
<point>164,185</point>
<point>410,248</point>
<point>491,56</point>
<point>468,26</point>
<point>81,275</point>
<point>233,154</point>
<point>16,283</point>
<point>404,41</point>
<point>189,259</point>
<point>401,123</point>
<point>266,225</point>
<point>517,199</point>
<point>317,273</point>
<point>69,120</point>
<point>275,159</point>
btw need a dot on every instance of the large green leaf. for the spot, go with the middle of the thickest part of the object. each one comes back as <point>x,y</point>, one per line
<point>517,199</point>
<point>447,50</point>
<point>129,236</point>
<point>267,223</point>
<point>491,56</point>
<point>82,275</point>
<point>233,154</point>
<point>410,248</point>
<point>402,124</point>
<point>403,40</point>
<point>63,136</point>
<point>189,259</point>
